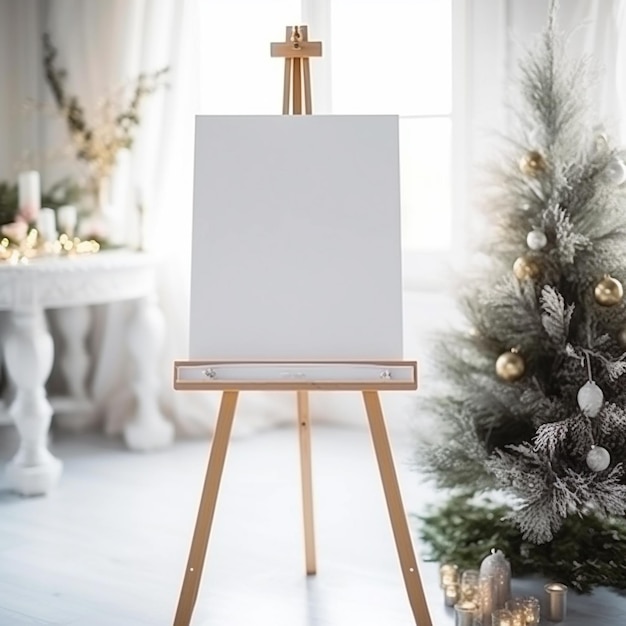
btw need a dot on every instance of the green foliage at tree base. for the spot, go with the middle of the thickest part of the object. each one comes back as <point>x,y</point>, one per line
<point>587,552</point>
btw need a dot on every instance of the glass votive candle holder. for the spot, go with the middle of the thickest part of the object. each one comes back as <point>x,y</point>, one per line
<point>517,618</point>
<point>451,594</point>
<point>514,604</point>
<point>532,611</point>
<point>501,617</point>
<point>469,585</point>
<point>557,602</point>
<point>464,613</point>
<point>448,574</point>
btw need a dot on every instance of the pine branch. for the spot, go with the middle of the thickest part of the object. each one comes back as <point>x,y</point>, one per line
<point>556,317</point>
<point>587,552</point>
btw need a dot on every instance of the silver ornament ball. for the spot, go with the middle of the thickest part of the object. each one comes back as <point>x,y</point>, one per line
<point>536,239</point>
<point>590,399</point>
<point>615,171</point>
<point>598,458</point>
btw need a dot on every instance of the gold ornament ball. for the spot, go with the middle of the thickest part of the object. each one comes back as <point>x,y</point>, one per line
<point>532,163</point>
<point>609,291</point>
<point>621,337</point>
<point>526,268</point>
<point>510,366</point>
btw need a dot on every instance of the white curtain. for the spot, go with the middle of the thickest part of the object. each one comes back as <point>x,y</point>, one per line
<point>104,45</point>
<point>498,32</point>
<point>20,53</point>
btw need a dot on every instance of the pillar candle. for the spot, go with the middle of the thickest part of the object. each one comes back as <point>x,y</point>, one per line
<point>557,602</point>
<point>464,613</point>
<point>29,196</point>
<point>46,224</point>
<point>67,217</point>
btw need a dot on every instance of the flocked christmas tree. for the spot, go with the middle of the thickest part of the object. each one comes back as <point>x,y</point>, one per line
<point>535,401</point>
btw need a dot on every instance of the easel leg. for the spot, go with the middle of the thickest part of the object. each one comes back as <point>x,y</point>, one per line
<point>306,75</point>
<point>297,86</point>
<point>200,541</point>
<point>307,480</point>
<point>287,86</point>
<point>408,563</point>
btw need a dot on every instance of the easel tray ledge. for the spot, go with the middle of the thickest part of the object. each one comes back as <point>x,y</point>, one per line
<point>288,375</point>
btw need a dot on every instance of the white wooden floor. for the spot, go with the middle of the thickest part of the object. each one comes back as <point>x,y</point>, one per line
<point>108,548</point>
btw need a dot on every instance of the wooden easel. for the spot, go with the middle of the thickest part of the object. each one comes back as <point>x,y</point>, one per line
<point>393,375</point>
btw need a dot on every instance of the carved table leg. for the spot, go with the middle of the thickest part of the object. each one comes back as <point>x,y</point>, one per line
<point>73,324</point>
<point>148,429</point>
<point>6,386</point>
<point>28,353</point>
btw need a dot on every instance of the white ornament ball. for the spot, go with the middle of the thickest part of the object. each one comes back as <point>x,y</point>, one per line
<point>590,399</point>
<point>536,240</point>
<point>598,458</point>
<point>615,171</point>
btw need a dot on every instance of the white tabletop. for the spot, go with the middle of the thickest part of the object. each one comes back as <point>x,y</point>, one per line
<point>57,282</point>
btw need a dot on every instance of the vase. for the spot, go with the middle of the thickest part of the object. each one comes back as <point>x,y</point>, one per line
<point>110,197</point>
<point>92,224</point>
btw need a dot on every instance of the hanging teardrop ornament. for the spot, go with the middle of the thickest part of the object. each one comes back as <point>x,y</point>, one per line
<point>590,399</point>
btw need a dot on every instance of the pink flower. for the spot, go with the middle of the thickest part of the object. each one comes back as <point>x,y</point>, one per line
<point>15,231</point>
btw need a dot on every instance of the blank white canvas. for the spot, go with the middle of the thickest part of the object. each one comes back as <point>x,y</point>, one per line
<point>296,238</point>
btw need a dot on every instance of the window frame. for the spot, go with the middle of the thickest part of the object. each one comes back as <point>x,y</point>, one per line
<point>422,270</point>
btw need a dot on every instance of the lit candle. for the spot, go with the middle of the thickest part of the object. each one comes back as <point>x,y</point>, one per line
<point>29,196</point>
<point>557,602</point>
<point>448,574</point>
<point>46,224</point>
<point>464,613</point>
<point>451,594</point>
<point>67,217</point>
<point>501,617</point>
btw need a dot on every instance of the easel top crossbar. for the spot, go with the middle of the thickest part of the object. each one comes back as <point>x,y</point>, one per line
<point>379,375</point>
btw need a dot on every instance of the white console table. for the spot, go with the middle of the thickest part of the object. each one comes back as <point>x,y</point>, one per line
<point>72,283</point>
